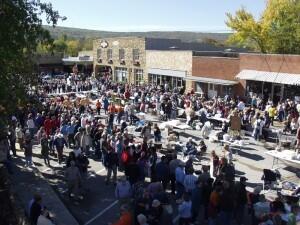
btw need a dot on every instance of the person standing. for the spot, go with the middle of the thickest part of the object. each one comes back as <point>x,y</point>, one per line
<point>60,143</point>
<point>162,172</point>
<point>28,151</point>
<point>197,200</point>
<point>111,164</point>
<point>31,126</point>
<point>179,176</point>
<point>35,210</point>
<point>241,200</point>
<point>73,179</point>
<point>123,191</point>
<point>45,149</point>
<point>185,211</point>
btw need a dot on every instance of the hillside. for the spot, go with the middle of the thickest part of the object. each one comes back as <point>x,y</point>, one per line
<point>78,33</point>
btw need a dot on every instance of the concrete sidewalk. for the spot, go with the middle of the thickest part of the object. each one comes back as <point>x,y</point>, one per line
<point>27,182</point>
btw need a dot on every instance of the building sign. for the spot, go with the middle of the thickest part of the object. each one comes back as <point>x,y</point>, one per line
<point>86,57</point>
<point>103,44</point>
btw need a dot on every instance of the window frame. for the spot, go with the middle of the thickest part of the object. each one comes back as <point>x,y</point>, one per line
<point>121,54</point>
<point>109,54</point>
<point>136,54</point>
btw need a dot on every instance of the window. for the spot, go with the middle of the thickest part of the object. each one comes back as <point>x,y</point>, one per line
<point>120,74</point>
<point>136,54</point>
<point>138,76</point>
<point>109,54</point>
<point>121,54</point>
<point>99,54</point>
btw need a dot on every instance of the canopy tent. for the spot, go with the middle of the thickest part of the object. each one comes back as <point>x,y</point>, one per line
<point>272,77</point>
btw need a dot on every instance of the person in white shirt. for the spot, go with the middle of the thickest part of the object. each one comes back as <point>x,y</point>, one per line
<point>31,125</point>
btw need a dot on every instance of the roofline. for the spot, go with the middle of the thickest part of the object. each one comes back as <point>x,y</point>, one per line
<point>168,50</point>
<point>218,57</point>
<point>270,54</point>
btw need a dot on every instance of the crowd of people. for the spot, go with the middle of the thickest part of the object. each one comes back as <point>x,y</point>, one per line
<point>98,127</point>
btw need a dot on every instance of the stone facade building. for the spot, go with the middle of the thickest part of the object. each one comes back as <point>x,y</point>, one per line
<point>135,60</point>
<point>122,58</point>
<point>210,70</point>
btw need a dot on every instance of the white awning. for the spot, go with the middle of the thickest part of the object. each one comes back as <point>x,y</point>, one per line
<point>211,80</point>
<point>166,72</point>
<point>78,60</point>
<point>273,77</point>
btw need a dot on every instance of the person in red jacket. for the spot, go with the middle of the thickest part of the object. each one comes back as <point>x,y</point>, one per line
<point>47,126</point>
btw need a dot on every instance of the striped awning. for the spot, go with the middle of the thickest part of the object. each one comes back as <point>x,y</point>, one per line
<point>272,77</point>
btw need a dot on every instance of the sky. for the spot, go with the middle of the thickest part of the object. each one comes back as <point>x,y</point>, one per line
<point>152,15</point>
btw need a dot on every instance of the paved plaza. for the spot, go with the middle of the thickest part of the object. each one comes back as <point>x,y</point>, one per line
<point>100,206</point>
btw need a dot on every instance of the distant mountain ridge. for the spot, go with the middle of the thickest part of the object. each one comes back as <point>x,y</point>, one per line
<point>185,36</point>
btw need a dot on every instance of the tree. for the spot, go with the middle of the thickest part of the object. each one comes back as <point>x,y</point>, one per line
<point>276,31</point>
<point>60,45</point>
<point>21,32</point>
<point>73,47</point>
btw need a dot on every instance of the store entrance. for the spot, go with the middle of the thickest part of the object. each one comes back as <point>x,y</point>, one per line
<point>277,92</point>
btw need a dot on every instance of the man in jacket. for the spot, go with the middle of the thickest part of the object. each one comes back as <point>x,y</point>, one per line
<point>59,143</point>
<point>111,164</point>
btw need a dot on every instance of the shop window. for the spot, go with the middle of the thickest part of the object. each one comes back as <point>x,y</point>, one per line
<point>180,82</point>
<point>136,54</point>
<point>121,74</point>
<point>109,54</point>
<point>121,54</point>
<point>138,76</point>
<point>99,54</point>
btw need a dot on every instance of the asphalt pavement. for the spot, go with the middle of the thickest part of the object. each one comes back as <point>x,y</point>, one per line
<point>99,206</point>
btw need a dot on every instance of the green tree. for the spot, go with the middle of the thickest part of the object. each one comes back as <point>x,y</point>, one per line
<point>60,45</point>
<point>72,47</point>
<point>276,31</point>
<point>21,32</point>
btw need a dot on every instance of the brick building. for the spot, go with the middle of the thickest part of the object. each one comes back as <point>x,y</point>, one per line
<point>211,70</point>
<point>213,73</point>
<point>272,76</point>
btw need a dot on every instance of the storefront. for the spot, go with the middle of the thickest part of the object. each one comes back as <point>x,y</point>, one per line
<point>271,85</point>
<point>121,74</point>
<point>212,87</point>
<point>174,78</point>
<point>138,76</point>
